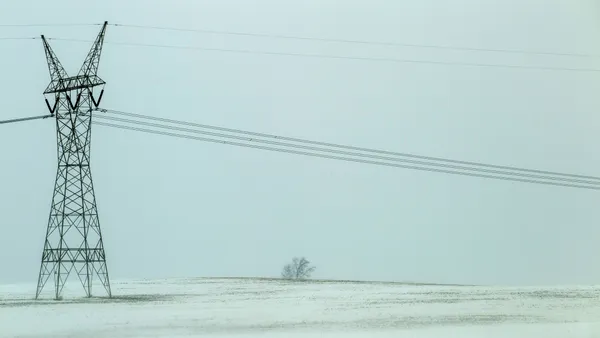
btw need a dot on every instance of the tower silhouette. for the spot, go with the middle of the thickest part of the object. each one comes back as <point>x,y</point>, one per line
<point>73,237</point>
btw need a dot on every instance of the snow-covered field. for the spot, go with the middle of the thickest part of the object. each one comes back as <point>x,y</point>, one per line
<point>206,307</point>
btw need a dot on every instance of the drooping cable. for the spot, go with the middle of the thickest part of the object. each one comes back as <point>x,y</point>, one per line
<point>26,119</point>
<point>479,169</point>
<point>353,148</point>
<point>316,39</point>
<point>49,25</point>
<point>354,41</point>
<point>19,38</point>
<point>345,57</point>
<point>342,158</point>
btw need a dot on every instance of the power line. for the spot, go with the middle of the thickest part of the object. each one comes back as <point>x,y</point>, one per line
<point>353,41</point>
<point>318,39</point>
<point>348,153</point>
<point>18,38</point>
<point>341,158</point>
<point>343,57</point>
<point>341,146</point>
<point>50,25</point>
<point>25,119</point>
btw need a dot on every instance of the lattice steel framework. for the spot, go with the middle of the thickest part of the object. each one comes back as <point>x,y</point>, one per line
<point>73,238</point>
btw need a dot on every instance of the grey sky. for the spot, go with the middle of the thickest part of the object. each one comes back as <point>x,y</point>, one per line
<point>171,207</point>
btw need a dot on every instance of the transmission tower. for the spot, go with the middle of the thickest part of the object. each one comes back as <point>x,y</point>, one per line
<point>73,238</point>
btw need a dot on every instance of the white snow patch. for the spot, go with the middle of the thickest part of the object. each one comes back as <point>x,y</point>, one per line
<point>205,307</point>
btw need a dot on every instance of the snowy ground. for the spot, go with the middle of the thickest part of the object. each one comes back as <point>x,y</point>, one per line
<point>271,308</point>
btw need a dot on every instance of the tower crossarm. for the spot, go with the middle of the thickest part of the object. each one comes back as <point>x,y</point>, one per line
<point>73,83</point>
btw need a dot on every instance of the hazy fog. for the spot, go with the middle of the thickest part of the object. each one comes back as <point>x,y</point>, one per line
<point>171,207</point>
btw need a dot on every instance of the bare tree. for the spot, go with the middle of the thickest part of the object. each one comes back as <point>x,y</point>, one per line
<point>299,268</point>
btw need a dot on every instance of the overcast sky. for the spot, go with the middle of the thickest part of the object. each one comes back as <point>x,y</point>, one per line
<point>171,207</point>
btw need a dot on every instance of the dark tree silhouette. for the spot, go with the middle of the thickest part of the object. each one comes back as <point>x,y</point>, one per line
<point>299,268</point>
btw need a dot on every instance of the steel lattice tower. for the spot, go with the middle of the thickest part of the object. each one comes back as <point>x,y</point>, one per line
<point>73,238</point>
